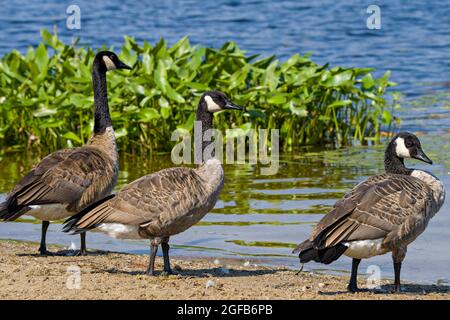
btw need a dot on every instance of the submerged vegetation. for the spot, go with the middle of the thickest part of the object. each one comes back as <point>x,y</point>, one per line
<point>46,98</point>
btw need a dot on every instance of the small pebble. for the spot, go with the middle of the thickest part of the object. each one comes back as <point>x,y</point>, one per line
<point>210,283</point>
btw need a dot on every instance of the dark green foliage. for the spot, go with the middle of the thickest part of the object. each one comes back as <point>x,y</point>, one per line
<point>46,98</point>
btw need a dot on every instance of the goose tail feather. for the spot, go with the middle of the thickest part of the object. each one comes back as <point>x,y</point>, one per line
<point>11,213</point>
<point>3,209</point>
<point>307,252</point>
<point>70,225</point>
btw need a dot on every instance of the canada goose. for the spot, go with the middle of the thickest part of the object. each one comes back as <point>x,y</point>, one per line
<point>163,203</point>
<point>68,180</point>
<point>384,213</point>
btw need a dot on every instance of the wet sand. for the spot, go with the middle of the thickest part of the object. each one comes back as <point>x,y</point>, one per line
<point>109,275</point>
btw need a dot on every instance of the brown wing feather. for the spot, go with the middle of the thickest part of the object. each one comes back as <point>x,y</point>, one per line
<point>159,196</point>
<point>41,168</point>
<point>380,207</point>
<point>76,177</point>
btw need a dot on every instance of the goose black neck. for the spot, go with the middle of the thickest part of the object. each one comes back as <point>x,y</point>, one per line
<point>102,118</point>
<point>393,163</point>
<point>206,119</point>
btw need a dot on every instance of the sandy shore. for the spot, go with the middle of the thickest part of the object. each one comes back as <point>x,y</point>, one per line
<point>108,275</point>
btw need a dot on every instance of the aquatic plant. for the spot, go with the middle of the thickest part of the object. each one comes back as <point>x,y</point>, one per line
<point>46,95</point>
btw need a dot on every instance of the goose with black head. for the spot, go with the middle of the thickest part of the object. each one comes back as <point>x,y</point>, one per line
<point>69,180</point>
<point>163,203</point>
<point>384,213</point>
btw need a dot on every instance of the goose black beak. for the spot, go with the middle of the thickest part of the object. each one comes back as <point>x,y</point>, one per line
<point>230,105</point>
<point>121,65</point>
<point>422,157</point>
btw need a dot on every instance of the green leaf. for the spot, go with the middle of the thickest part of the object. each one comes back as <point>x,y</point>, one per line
<point>188,125</point>
<point>44,112</point>
<point>148,114</point>
<point>367,81</point>
<point>148,62</point>
<point>41,57</point>
<point>52,123</point>
<point>181,47</point>
<point>196,59</point>
<point>340,103</point>
<point>165,112</point>
<point>72,136</point>
<point>362,71</point>
<point>277,99</point>
<point>238,78</point>
<point>138,89</point>
<point>120,133</point>
<point>270,77</point>
<point>299,111</point>
<point>197,86</point>
<point>340,79</point>
<point>160,76</point>
<point>173,95</point>
<point>263,63</point>
<point>143,103</point>
<point>163,103</point>
<point>81,100</point>
<point>46,36</point>
<point>387,117</point>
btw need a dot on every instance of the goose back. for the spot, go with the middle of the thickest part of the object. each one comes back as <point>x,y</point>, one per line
<point>436,186</point>
<point>73,178</point>
<point>392,207</point>
<point>160,204</point>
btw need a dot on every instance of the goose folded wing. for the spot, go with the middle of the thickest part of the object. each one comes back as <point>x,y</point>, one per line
<point>376,208</point>
<point>163,195</point>
<point>40,169</point>
<point>62,177</point>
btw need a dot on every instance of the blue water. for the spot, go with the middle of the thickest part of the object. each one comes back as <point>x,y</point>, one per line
<point>414,40</point>
<point>414,43</point>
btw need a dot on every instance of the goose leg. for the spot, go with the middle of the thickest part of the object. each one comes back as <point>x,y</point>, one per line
<point>397,268</point>
<point>43,247</point>
<point>151,263</point>
<point>83,250</point>
<point>353,284</point>
<point>397,256</point>
<point>165,248</point>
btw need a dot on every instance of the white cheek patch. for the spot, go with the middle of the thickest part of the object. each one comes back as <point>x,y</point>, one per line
<point>108,63</point>
<point>401,149</point>
<point>212,106</point>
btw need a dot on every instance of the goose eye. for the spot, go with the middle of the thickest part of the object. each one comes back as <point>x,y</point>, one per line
<point>408,143</point>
